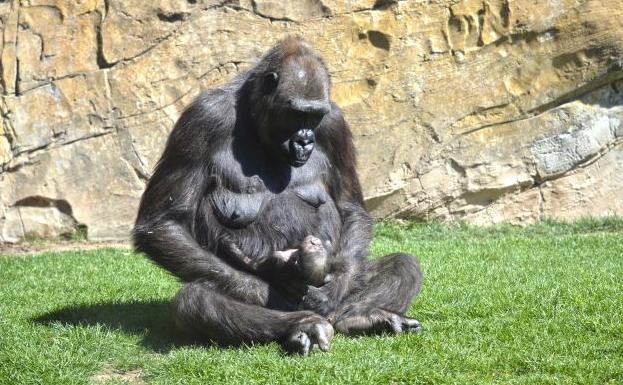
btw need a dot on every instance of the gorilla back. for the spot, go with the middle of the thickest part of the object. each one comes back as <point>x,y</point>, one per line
<point>251,169</point>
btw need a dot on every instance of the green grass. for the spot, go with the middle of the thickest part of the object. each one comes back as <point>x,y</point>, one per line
<point>503,305</point>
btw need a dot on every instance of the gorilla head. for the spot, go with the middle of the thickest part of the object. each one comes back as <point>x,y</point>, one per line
<point>290,98</point>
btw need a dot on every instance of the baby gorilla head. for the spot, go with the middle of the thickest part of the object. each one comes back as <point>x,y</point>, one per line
<point>291,99</point>
<point>312,260</point>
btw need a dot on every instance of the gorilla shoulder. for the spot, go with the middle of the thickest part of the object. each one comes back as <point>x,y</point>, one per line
<point>209,117</point>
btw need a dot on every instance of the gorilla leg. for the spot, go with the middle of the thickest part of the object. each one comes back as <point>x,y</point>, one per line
<point>383,295</point>
<point>201,310</point>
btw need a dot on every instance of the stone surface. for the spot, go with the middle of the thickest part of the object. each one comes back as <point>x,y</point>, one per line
<point>488,111</point>
<point>38,221</point>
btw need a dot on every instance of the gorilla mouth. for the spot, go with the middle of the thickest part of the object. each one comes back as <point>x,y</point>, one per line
<point>301,146</point>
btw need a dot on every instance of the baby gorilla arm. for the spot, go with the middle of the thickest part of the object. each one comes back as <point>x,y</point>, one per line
<point>278,261</point>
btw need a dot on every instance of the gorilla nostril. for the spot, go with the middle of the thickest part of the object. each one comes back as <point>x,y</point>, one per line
<point>304,141</point>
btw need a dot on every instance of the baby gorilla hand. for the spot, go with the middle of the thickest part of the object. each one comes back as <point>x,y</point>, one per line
<point>285,256</point>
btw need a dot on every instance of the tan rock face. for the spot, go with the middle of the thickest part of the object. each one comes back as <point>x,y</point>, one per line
<point>486,111</point>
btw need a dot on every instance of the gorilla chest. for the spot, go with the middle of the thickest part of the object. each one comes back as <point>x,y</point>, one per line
<point>256,206</point>
<point>268,207</point>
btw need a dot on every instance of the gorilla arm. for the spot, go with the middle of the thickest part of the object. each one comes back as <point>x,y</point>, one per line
<point>168,239</point>
<point>278,262</point>
<point>165,227</point>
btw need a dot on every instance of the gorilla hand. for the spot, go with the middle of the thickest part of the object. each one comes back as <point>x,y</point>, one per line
<point>308,332</point>
<point>316,299</point>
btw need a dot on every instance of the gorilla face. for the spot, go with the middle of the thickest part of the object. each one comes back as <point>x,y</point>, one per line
<point>297,141</point>
<point>296,99</point>
<point>299,146</point>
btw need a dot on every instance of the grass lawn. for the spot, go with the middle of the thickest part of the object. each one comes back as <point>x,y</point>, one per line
<point>538,305</point>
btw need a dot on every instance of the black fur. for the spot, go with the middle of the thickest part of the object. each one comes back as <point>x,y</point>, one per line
<point>249,170</point>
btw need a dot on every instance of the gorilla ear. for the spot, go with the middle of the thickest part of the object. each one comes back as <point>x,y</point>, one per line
<point>270,81</point>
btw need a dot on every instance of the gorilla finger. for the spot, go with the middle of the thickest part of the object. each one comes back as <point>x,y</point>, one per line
<point>323,333</point>
<point>299,343</point>
<point>328,278</point>
<point>396,323</point>
<point>411,325</point>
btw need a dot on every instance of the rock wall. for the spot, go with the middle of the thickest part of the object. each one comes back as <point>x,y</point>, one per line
<point>488,110</point>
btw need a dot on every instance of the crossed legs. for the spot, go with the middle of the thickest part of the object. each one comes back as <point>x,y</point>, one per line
<point>382,299</point>
<point>377,303</point>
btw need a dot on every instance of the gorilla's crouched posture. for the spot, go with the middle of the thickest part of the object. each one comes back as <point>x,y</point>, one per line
<point>256,204</point>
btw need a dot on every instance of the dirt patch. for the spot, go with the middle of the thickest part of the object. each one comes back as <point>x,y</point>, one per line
<point>43,246</point>
<point>133,377</point>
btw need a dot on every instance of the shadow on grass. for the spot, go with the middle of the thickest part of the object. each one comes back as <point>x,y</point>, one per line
<point>152,320</point>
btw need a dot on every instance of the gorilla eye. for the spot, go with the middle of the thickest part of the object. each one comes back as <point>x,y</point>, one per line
<point>270,81</point>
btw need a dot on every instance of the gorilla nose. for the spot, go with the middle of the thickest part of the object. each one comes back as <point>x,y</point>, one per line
<point>304,137</point>
<point>304,142</point>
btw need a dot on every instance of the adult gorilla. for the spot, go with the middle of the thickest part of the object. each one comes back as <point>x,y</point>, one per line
<point>250,171</point>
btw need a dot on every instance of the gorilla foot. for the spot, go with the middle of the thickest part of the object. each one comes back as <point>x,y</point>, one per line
<point>375,321</point>
<point>310,332</point>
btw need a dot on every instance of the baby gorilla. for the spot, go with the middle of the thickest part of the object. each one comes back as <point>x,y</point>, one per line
<point>303,267</point>
<point>309,262</point>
